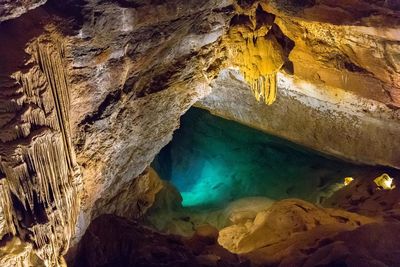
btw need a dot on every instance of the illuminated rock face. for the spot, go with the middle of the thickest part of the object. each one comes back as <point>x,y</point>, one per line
<point>253,48</point>
<point>132,68</point>
<point>329,120</point>
<point>337,46</point>
<point>40,177</point>
<point>14,8</point>
<point>110,90</point>
<point>281,221</point>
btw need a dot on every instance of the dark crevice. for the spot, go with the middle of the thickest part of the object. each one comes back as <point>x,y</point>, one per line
<point>286,43</point>
<point>341,219</point>
<point>246,3</point>
<point>129,3</point>
<point>301,207</point>
<point>160,82</point>
<point>242,20</point>
<point>288,67</point>
<point>5,239</point>
<point>2,175</point>
<point>129,84</point>
<point>39,210</point>
<point>225,10</point>
<point>350,66</point>
<point>263,18</point>
<point>51,197</point>
<point>72,10</point>
<point>101,112</point>
<point>25,217</point>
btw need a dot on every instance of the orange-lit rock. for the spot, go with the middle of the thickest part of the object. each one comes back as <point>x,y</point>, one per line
<point>281,222</point>
<point>90,91</point>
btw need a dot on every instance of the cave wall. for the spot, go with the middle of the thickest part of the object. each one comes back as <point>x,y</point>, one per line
<point>329,120</point>
<point>106,81</point>
<point>40,179</point>
<point>133,76</point>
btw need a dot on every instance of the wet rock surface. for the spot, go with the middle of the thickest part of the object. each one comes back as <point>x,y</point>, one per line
<point>92,90</point>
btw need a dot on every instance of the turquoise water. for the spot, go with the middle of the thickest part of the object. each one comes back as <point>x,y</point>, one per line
<point>213,161</point>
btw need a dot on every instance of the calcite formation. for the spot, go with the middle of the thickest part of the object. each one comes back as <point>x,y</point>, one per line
<point>253,48</point>
<point>39,175</point>
<point>109,80</point>
<point>353,45</point>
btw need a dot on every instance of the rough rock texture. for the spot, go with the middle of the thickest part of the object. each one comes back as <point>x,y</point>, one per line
<point>127,70</point>
<point>313,116</point>
<point>107,80</point>
<point>135,70</point>
<point>15,252</point>
<point>10,9</point>
<point>39,175</point>
<point>364,196</point>
<point>114,241</point>
<point>281,221</point>
<point>342,74</point>
<point>353,45</point>
<point>299,234</point>
<point>133,201</point>
<point>368,245</point>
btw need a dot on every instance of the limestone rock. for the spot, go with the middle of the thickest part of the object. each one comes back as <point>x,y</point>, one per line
<point>134,71</point>
<point>96,88</point>
<point>114,241</point>
<point>368,245</point>
<point>246,208</point>
<point>329,120</point>
<point>364,196</point>
<point>10,9</point>
<point>136,198</point>
<point>338,46</point>
<point>15,252</point>
<point>280,222</point>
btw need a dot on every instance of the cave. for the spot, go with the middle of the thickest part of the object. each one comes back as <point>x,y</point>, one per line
<point>217,167</point>
<point>199,133</point>
<point>213,161</point>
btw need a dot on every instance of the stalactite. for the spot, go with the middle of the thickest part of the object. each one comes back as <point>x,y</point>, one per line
<point>6,207</point>
<point>36,155</point>
<point>256,52</point>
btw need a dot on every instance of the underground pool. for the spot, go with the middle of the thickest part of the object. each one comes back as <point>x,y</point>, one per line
<point>213,161</point>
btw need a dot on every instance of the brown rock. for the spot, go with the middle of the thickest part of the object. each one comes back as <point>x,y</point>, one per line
<point>281,222</point>
<point>113,241</point>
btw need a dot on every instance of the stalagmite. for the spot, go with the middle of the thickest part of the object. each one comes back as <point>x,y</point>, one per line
<point>39,178</point>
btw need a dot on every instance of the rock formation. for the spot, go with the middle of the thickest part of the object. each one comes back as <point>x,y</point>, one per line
<point>129,244</point>
<point>40,177</point>
<point>281,221</point>
<point>254,49</point>
<point>90,91</point>
<point>10,9</point>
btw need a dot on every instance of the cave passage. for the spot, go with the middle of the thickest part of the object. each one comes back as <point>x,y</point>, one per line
<point>213,161</point>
